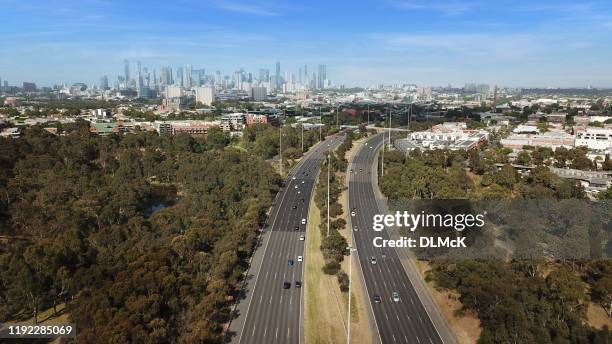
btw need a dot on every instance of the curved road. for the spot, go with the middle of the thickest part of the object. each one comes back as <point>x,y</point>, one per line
<point>269,313</point>
<point>405,321</point>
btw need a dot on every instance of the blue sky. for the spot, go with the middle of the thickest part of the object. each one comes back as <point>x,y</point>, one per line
<point>512,43</point>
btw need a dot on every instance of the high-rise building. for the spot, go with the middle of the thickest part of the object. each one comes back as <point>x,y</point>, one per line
<point>179,76</point>
<point>277,80</point>
<point>238,79</point>
<point>187,77</point>
<point>166,76</point>
<point>29,87</point>
<point>126,72</point>
<point>205,95</point>
<point>104,83</point>
<point>259,93</point>
<point>154,81</point>
<point>264,75</point>
<point>321,77</point>
<point>218,78</point>
<point>174,91</point>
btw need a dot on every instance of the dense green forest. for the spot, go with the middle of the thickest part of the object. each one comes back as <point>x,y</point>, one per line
<point>143,237</point>
<point>516,300</point>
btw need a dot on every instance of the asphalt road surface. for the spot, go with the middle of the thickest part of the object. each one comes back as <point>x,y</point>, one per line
<point>404,321</point>
<point>271,313</point>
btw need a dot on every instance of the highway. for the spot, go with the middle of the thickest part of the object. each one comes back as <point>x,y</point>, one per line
<point>270,313</point>
<point>405,321</point>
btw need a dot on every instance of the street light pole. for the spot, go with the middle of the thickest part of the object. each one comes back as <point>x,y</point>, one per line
<point>348,325</point>
<point>389,111</point>
<point>337,114</point>
<point>320,125</point>
<point>280,148</point>
<point>328,169</point>
<point>302,137</point>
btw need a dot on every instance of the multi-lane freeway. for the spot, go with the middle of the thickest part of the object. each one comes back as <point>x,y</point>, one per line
<point>400,319</point>
<point>272,312</point>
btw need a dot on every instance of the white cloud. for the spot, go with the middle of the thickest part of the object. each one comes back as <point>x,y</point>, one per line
<point>233,6</point>
<point>446,7</point>
<point>485,46</point>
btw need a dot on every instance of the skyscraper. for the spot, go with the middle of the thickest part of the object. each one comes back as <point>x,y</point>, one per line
<point>187,79</point>
<point>154,83</point>
<point>166,76</point>
<point>264,75</point>
<point>205,95</point>
<point>179,76</point>
<point>321,77</point>
<point>104,82</point>
<point>277,76</point>
<point>126,72</point>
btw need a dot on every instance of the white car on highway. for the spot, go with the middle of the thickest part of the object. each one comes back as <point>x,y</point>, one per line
<point>303,221</point>
<point>300,258</point>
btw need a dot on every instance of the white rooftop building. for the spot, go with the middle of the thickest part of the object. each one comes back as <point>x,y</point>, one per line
<point>595,138</point>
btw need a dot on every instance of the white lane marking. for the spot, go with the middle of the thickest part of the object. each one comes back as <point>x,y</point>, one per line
<point>386,316</point>
<point>406,339</point>
<point>260,298</point>
<point>395,340</point>
<point>418,340</point>
<point>253,333</point>
<point>276,335</point>
<point>290,298</point>
<point>397,316</point>
<point>430,340</point>
<point>421,320</point>
<point>265,331</point>
<point>281,299</point>
<point>270,302</point>
<point>288,334</point>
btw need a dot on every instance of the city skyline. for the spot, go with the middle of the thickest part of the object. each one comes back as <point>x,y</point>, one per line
<point>524,44</point>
